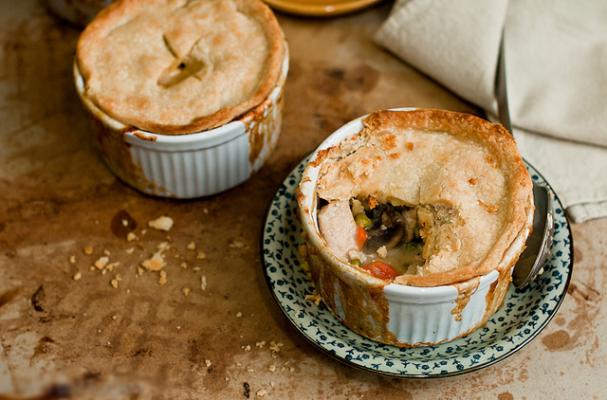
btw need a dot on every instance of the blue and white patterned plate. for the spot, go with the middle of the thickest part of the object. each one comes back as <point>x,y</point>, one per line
<point>522,316</point>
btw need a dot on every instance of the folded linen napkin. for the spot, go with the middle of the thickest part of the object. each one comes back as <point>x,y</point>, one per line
<point>556,62</point>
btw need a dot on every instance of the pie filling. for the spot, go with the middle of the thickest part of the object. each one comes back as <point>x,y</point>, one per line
<point>387,240</point>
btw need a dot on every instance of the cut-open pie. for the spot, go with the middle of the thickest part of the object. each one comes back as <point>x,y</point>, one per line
<point>423,198</point>
<point>180,66</point>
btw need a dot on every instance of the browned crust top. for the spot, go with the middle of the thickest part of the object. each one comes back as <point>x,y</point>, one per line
<point>122,11</point>
<point>499,143</point>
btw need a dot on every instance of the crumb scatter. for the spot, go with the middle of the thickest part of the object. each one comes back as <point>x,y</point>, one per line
<point>162,223</point>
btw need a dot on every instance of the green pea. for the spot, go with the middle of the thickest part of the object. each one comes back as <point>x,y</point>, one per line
<point>363,221</point>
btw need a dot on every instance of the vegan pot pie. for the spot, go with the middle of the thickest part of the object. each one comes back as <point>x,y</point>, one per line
<point>180,66</point>
<point>424,197</point>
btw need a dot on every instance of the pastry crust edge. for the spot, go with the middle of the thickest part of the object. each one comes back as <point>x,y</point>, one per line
<point>120,11</point>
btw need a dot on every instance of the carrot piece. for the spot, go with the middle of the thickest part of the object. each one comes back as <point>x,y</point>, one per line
<point>381,270</point>
<point>361,237</point>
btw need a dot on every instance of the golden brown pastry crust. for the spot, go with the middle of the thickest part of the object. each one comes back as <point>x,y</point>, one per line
<point>122,11</point>
<point>504,156</point>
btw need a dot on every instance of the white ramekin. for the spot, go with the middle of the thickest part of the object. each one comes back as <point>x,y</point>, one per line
<point>397,314</point>
<point>190,165</point>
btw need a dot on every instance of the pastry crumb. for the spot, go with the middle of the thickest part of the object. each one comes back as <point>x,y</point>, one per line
<point>236,244</point>
<point>184,265</point>
<point>186,291</point>
<point>314,298</point>
<point>382,251</point>
<point>201,255</point>
<point>238,314</point>
<point>110,267</point>
<point>208,363</point>
<point>131,237</point>
<point>130,250</point>
<point>114,283</point>
<point>163,223</point>
<point>162,280</point>
<point>261,392</point>
<point>154,263</point>
<point>106,252</point>
<point>101,262</point>
<point>72,259</point>
<point>275,347</point>
<point>260,345</point>
<point>125,222</point>
<point>163,246</point>
<point>88,250</point>
<point>203,282</point>
<point>246,348</point>
<point>191,246</point>
<point>77,276</point>
<point>196,269</point>
<point>272,368</point>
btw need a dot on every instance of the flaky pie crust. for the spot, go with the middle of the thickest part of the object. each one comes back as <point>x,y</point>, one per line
<point>504,156</point>
<point>122,11</point>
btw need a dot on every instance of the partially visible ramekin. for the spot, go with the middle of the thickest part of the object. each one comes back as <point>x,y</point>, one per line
<point>190,165</point>
<point>78,12</point>
<point>405,316</point>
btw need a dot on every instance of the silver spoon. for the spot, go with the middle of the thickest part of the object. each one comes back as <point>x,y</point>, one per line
<point>539,244</point>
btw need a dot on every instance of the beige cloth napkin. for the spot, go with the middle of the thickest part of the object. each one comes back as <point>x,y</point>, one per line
<point>556,62</point>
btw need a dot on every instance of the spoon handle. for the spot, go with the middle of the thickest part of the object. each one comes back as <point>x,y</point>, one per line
<point>539,242</point>
<point>501,90</point>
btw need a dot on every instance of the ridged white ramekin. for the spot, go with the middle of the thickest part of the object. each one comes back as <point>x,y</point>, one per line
<point>397,314</point>
<point>190,165</point>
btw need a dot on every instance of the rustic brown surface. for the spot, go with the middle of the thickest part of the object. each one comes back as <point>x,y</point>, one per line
<point>143,340</point>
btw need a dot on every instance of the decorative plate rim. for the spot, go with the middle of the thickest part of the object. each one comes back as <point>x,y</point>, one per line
<point>474,368</point>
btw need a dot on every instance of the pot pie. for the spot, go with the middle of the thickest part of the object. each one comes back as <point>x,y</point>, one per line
<point>180,66</point>
<point>423,198</point>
